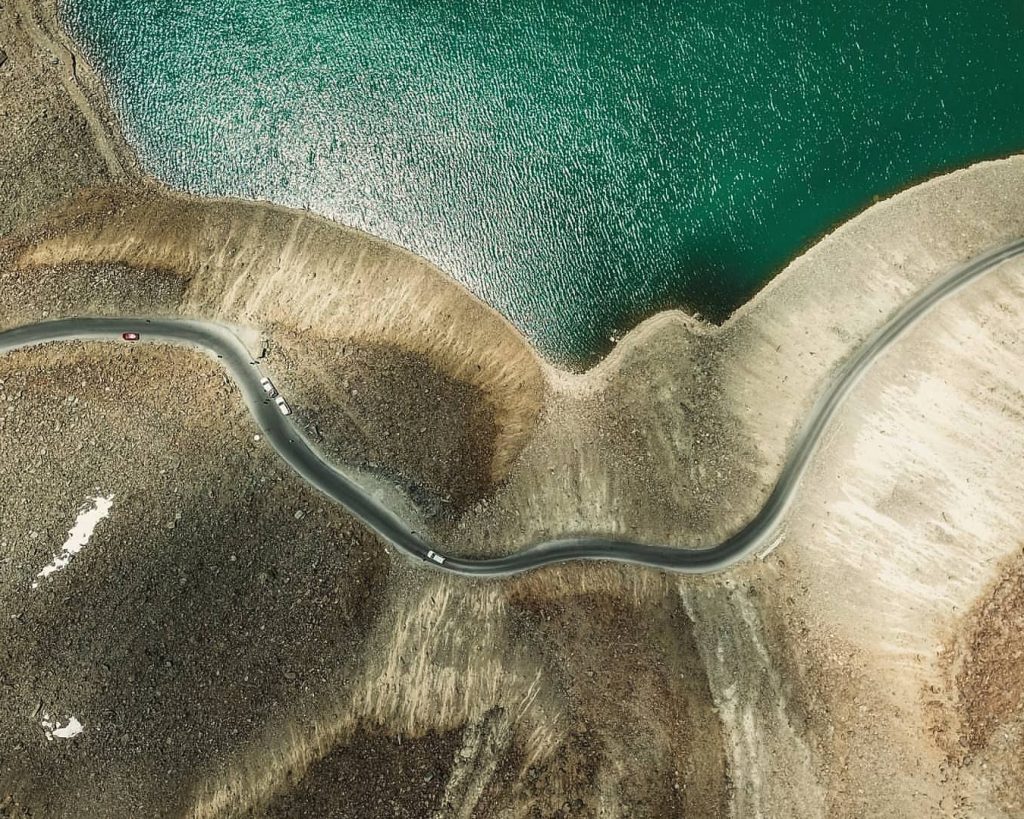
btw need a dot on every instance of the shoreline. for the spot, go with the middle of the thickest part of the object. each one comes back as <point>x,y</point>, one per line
<point>87,89</point>
<point>758,537</point>
<point>99,97</point>
<point>763,346</point>
<point>855,278</point>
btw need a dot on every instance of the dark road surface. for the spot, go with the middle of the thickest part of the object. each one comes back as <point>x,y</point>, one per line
<point>758,534</point>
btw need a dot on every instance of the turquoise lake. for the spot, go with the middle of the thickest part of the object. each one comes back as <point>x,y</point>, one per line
<point>578,165</point>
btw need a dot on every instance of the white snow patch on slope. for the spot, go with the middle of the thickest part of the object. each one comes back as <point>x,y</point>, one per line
<point>79,534</point>
<point>54,731</point>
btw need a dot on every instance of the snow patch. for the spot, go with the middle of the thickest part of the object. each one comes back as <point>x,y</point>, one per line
<point>54,731</point>
<point>78,535</point>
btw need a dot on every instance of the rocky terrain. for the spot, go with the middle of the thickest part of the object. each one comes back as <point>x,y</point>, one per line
<point>225,628</point>
<point>233,645</point>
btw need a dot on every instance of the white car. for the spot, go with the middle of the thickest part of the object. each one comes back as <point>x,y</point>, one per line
<point>281,405</point>
<point>438,559</point>
<point>268,387</point>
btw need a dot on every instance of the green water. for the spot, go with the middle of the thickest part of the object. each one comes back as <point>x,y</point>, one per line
<point>579,164</point>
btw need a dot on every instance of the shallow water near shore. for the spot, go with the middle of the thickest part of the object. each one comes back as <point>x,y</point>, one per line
<point>578,165</point>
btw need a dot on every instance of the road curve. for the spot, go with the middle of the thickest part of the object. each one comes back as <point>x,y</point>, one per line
<point>756,535</point>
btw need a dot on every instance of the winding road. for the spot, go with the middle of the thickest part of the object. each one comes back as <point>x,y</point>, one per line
<point>758,534</point>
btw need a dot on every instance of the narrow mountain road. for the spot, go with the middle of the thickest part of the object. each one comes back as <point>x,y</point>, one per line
<point>756,535</point>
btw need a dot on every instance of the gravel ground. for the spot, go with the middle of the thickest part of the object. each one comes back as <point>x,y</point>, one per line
<point>219,593</point>
<point>222,609</point>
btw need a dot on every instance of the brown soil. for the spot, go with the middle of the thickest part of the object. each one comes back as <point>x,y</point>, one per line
<point>990,677</point>
<point>635,692</point>
<point>206,615</point>
<point>50,292</point>
<point>988,669</point>
<point>633,731</point>
<point>389,411</point>
<point>372,775</point>
<point>219,592</point>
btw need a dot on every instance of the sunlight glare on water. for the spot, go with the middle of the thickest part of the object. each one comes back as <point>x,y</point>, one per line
<point>577,164</point>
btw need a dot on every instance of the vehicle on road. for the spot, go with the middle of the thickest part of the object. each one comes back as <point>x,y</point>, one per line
<point>268,386</point>
<point>438,559</point>
<point>130,336</point>
<point>283,405</point>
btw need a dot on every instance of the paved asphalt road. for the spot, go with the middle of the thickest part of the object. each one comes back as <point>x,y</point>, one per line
<point>757,535</point>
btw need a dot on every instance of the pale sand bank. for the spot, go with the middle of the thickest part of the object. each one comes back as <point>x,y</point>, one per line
<point>678,435</point>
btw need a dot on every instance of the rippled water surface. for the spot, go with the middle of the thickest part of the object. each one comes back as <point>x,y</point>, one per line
<point>578,164</point>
